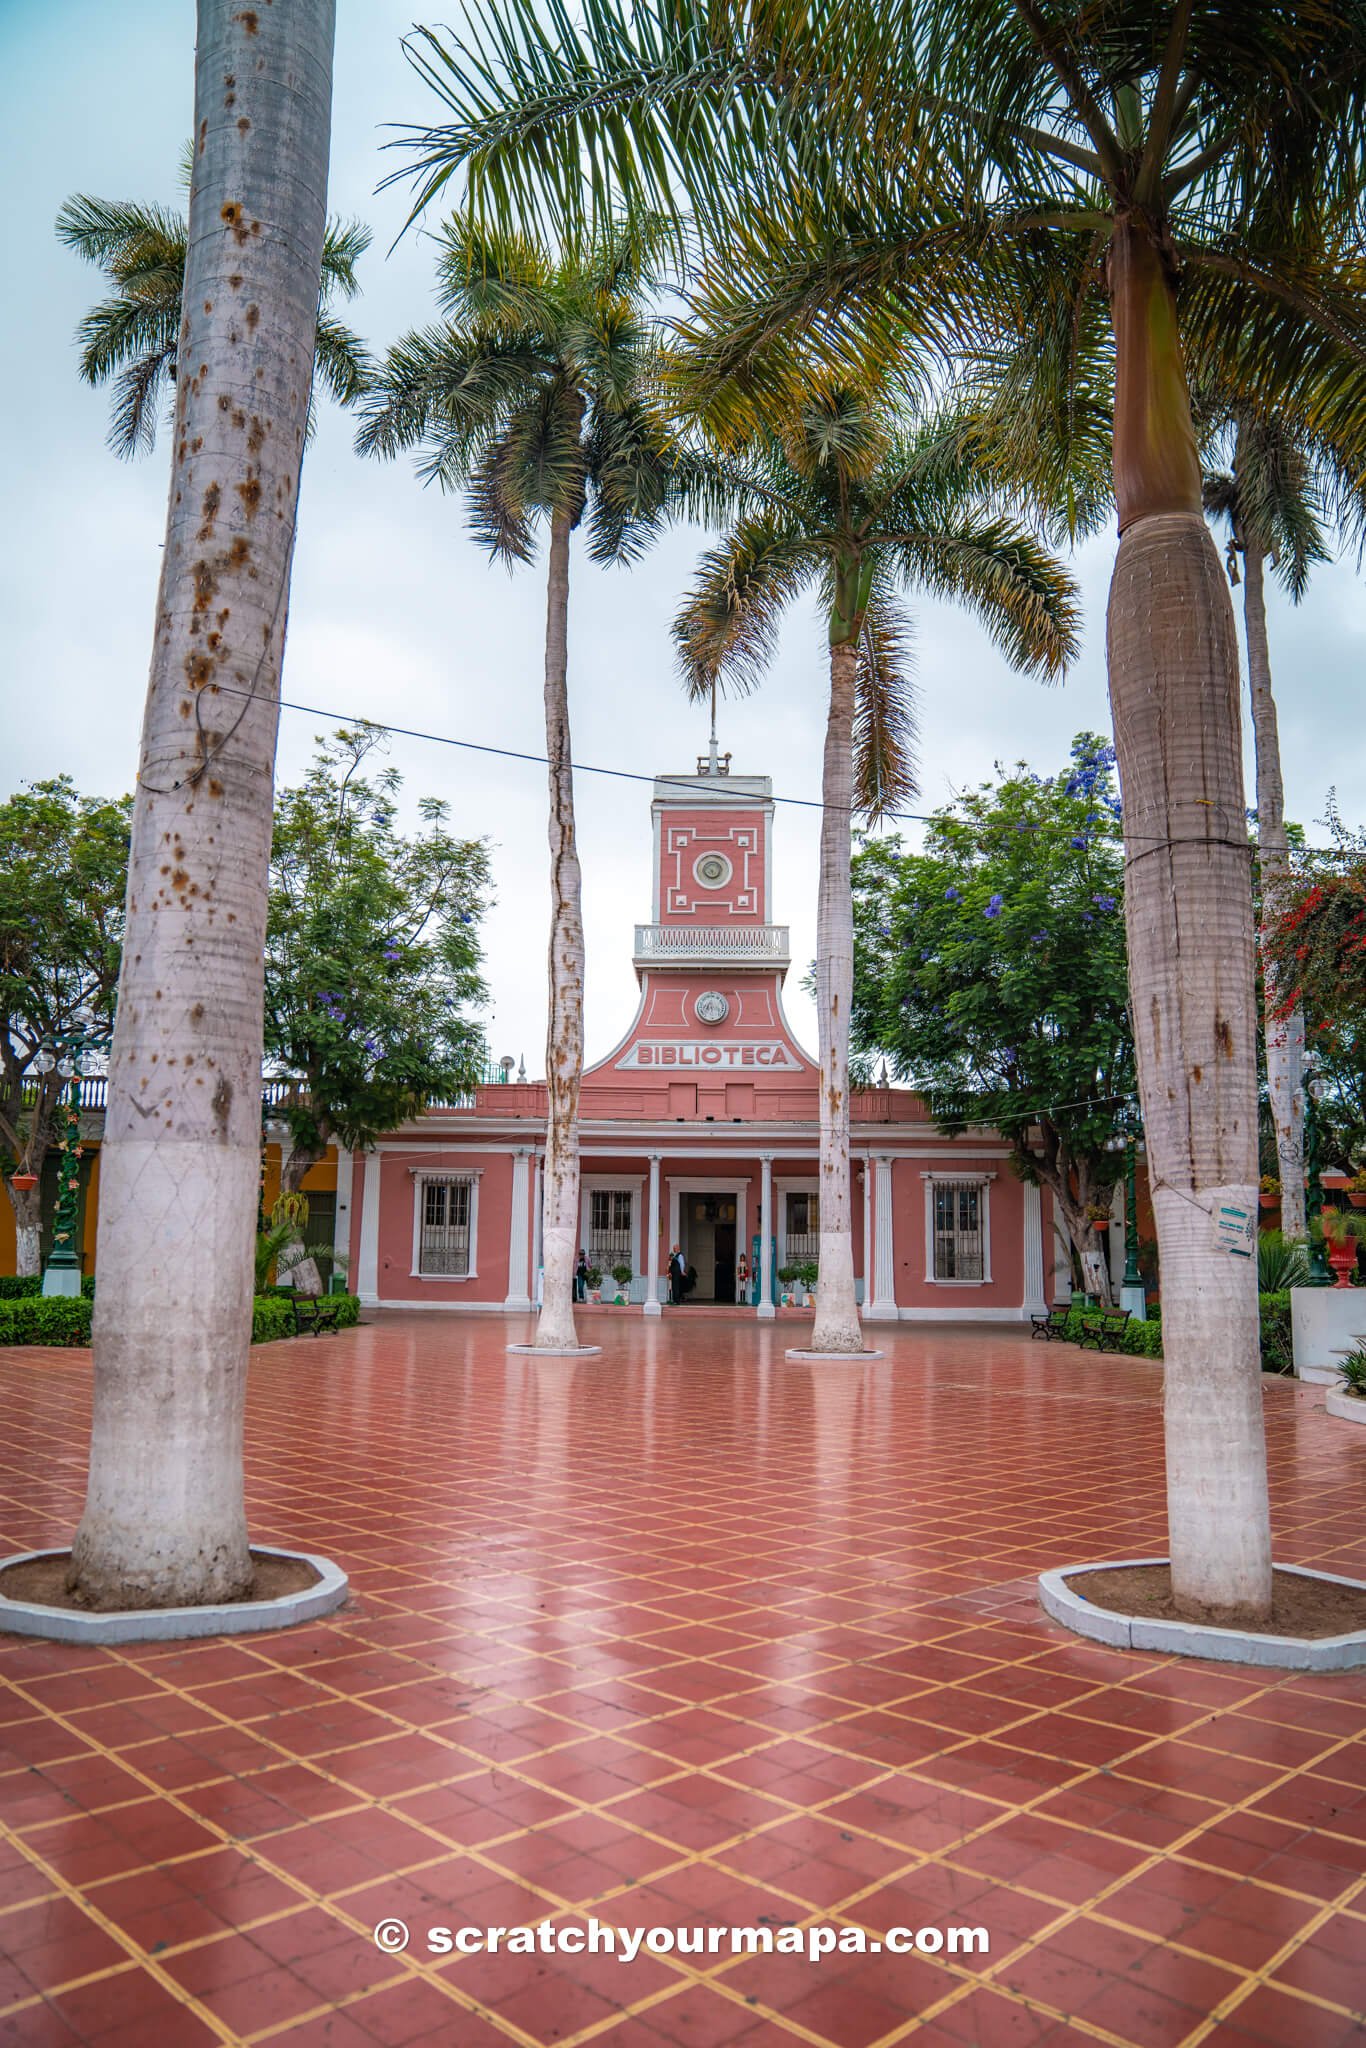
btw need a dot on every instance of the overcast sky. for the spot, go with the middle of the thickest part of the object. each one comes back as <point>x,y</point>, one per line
<point>397,616</point>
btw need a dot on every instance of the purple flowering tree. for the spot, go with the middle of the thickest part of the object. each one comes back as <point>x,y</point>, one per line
<point>990,973</point>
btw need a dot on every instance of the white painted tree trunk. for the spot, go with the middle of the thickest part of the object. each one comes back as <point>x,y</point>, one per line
<point>837,1325</point>
<point>1174,689</point>
<point>28,1253</point>
<point>303,1276</point>
<point>1284,1035</point>
<point>164,1520</point>
<point>564,1034</point>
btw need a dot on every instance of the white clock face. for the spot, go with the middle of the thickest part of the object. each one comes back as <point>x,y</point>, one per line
<point>712,1008</point>
<point>712,871</point>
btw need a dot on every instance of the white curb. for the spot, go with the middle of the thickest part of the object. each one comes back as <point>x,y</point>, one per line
<point>1195,1639</point>
<point>170,1624</point>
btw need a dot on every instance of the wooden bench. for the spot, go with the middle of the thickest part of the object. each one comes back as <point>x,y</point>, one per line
<point>314,1312</point>
<point>1103,1328</point>
<point>1051,1325</point>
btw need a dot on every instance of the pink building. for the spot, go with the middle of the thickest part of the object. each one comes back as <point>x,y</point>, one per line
<point>699,1128</point>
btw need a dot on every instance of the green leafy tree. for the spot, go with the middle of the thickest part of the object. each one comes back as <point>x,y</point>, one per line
<point>372,955</point>
<point>129,340</point>
<point>1005,174</point>
<point>528,399</point>
<point>990,974</point>
<point>845,501</point>
<point>63,868</point>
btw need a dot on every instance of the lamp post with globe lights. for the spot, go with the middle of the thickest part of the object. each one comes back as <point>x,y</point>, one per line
<point>62,1273</point>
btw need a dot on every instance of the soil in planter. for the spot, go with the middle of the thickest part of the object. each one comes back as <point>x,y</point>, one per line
<point>43,1580</point>
<point>1299,1607</point>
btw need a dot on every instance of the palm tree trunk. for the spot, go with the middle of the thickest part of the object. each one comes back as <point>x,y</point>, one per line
<point>1174,690</point>
<point>1284,1035</point>
<point>555,1330</point>
<point>164,1520</point>
<point>837,1320</point>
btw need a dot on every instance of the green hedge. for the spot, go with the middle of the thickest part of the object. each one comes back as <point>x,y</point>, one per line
<point>22,1286</point>
<point>1144,1340</point>
<point>64,1319</point>
<point>52,1319</point>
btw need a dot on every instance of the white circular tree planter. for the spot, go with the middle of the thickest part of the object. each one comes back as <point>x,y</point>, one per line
<point>802,1357</point>
<point>170,1624</point>
<point>554,1350</point>
<point>1195,1639</point>
<point>1347,1407</point>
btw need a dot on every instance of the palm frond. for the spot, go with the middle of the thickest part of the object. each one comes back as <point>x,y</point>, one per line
<point>885,723</point>
<point>727,627</point>
<point>341,361</point>
<point>448,382</point>
<point>344,243</point>
<point>139,393</point>
<point>1021,593</point>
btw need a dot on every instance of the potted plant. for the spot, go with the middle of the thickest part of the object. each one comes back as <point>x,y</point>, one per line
<point>1356,1190</point>
<point>593,1282</point>
<point>1270,1191</point>
<point>23,1181</point>
<point>1352,1372</point>
<point>807,1273</point>
<point>786,1276</point>
<point>1098,1218</point>
<point>1341,1234</point>
<point>623,1275</point>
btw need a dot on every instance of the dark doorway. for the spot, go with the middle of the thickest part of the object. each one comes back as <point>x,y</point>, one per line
<point>724,1253</point>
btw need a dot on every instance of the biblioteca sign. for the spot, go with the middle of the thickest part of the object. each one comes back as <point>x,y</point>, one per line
<point>704,1053</point>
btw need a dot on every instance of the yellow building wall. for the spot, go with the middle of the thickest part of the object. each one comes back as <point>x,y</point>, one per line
<point>323,1177</point>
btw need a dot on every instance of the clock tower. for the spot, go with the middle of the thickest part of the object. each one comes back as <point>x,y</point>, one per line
<point>710,1039</point>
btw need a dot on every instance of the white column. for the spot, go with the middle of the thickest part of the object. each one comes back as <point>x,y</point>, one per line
<point>882,1308</point>
<point>519,1231</point>
<point>536,1218</point>
<point>1035,1303</point>
<point>652,1307</point>
<point>367,1282</point>
<point>767,1310</point>
<point>867,1274</point>
<point>341,1228</point>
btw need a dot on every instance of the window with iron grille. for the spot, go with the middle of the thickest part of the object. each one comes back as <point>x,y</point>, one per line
<point>609,1228</point>
<point>958,1243</point>
<point>444,1232</point>
<point>803,1227</point>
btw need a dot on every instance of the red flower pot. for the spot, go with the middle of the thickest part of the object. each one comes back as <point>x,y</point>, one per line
<point>1270,1201</point>
<point>1358,1201</point>
<point>23,1181</point>
<point>1343,1260</point>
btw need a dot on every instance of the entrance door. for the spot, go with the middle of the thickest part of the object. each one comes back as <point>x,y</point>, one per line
<point>707,1237</point>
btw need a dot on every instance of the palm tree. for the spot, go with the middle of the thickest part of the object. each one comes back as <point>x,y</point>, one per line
<point>527,398</point>
<point>952,171</point>
<point>1272,501</point>
<point>842,497</point>
<point>131,338</point>
<point>165,1522</point>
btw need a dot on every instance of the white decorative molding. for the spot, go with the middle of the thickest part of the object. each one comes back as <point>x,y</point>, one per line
<point>739,945</point>
<point>519,1231</point>
<point>420,1178</point>
<point>982,1180</point>
<point>882,1308</point>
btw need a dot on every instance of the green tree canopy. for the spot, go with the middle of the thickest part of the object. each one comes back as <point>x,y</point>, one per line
<point>990,972</point>
<point>372,953</point>
<point>63,868</point>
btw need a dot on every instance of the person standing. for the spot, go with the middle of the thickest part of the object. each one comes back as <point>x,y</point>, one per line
<point>581,1276</point>
<point>677,1276</point>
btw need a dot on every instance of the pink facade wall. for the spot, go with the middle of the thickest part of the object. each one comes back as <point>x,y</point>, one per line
<point>741,838</point>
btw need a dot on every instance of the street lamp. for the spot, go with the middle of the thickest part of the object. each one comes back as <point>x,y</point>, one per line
<point>62,1273</point>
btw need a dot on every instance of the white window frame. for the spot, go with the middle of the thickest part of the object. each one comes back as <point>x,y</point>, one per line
<point>591,1184</point>
<point>471,1175</point>
<point>982,1181</point>
<point>784,1185</point>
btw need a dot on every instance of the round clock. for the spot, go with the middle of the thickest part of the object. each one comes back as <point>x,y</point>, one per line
<point>712,1007</point>
<point>712,870</point>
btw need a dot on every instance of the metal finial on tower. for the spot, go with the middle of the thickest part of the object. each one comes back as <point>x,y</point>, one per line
<point>712,762</point>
